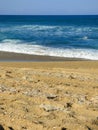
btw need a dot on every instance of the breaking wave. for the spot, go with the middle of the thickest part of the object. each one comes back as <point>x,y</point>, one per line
<point>19,46</point>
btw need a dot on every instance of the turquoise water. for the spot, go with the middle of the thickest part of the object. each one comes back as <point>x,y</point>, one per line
<point>63,36</point>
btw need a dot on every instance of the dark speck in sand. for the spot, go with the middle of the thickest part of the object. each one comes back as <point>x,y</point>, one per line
<point>89,128</point>
<point>1,127</point>
<point>10,128</point>
<point>63,128</point>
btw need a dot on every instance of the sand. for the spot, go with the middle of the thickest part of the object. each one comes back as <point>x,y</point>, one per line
<point>49,95</point>
<point>12,56</point>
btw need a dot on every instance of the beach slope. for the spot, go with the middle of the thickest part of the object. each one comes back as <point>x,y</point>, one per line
<point>49,95</point>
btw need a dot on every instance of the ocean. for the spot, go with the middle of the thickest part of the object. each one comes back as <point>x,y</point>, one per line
<point>62,36</point>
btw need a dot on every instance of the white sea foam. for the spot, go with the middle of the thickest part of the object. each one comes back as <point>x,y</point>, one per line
<point>47,27</point>
<point>26,48</point>
<point>48,30</point>
<point>85,37</point>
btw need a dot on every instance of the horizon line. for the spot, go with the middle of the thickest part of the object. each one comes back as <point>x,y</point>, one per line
<point>48,14</point>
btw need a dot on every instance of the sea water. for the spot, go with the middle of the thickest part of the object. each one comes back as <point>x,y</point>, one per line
<point>62,36</point>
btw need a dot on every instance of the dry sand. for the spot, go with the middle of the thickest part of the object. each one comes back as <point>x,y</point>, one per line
<point>49,96</point>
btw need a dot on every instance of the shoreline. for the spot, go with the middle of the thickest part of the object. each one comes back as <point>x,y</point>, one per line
<point>20,57</point>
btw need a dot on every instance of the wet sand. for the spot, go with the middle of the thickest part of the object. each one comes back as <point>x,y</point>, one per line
<point>49,95</point>
<point>11,56</point>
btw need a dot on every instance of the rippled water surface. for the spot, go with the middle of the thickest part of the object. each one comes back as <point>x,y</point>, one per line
<point>64,36</point>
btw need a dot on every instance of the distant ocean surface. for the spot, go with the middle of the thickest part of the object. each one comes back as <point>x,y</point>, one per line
<point>63,36</point>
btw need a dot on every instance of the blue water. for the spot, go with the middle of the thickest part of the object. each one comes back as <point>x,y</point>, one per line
<point>63,36</point>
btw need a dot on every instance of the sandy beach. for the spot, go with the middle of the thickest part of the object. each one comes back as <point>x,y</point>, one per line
<point>49,95</point>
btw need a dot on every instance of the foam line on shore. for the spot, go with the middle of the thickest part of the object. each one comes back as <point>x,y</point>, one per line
<point>18,46</point>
